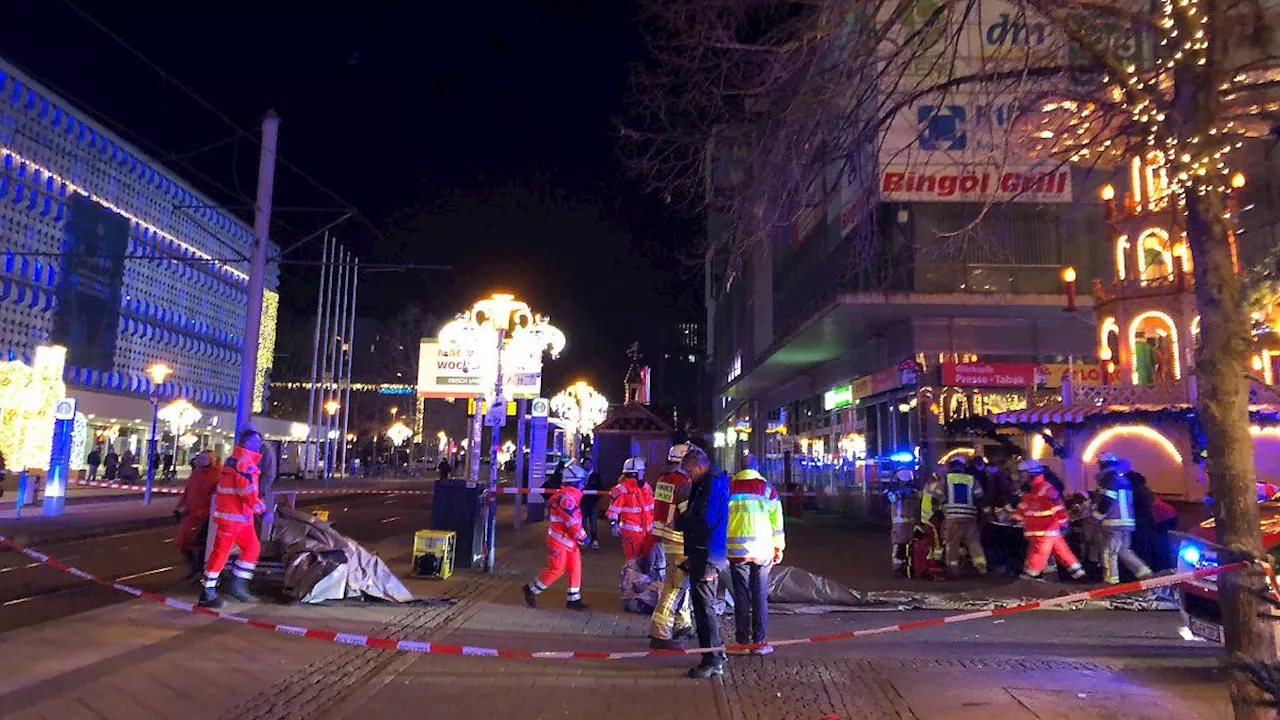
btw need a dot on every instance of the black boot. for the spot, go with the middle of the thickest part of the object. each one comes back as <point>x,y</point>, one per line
<point>576,605</point>
<point>239,589</point>
<point>530,597</point>
<point>209,599</point>
<point>712,666</point>
<point>195,565</point>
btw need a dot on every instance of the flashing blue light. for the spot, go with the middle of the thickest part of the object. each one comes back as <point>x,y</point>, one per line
<point>1190,554</point>
<point>902,457</point>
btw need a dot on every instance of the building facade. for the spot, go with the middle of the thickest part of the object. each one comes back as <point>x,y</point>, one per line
<point>112,257</point>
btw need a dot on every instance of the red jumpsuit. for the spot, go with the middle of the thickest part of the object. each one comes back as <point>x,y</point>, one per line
<point>235,505</point>
<point>563,536</point>
<point>631,509</point>
<point>1042,515</point>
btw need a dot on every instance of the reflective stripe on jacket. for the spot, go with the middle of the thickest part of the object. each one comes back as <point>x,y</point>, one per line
<point>1115,507</point>
<point>755,519</point>
<point>631,506</point>
<point>670,498</point>
<point>1041,510</point>
<point>236,499</point>
<point>962,496</point>
<point>564,510</point>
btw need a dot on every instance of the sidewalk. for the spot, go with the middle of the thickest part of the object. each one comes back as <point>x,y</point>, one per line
<point>137,660</point>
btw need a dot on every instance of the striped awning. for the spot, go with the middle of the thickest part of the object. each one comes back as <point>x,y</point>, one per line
<point>1070,414</point>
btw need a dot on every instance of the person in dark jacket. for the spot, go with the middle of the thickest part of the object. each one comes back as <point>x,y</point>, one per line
<point>705,525</point>
<point>1146,536</point>
<point>590,503</point>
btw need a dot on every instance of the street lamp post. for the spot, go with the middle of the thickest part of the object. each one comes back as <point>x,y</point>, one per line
<point>331,408</point>
<point>158,372</point>
<point>397,434</point>
<point>583,408</point>
<point>509,319</point>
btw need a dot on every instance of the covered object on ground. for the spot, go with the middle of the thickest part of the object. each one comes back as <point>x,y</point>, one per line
<point>322,564</point>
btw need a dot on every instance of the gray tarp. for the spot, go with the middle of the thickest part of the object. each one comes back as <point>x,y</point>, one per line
<point>322,564</point>
<point>796,591</point>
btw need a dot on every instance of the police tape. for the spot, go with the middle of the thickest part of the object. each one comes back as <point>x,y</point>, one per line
<point>549,491</point>
<point>320,491</point>
<point>429,648</point>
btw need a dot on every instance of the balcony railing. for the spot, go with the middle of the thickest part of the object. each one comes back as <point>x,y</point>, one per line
<point>1178,392</point>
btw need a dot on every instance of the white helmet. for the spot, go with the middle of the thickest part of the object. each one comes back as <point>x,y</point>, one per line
<point>574,474</point>
<point>904,476</point>
<point>1031,467</point>
<point>633,466</point>
<point>1108,459</point>
<point>677,452</point>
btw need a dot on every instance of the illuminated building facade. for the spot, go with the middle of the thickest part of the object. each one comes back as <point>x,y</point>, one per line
<point>1148,327</point>
<point>112,257</point>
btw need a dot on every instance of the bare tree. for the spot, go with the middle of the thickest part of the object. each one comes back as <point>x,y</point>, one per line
<point>747,107</point>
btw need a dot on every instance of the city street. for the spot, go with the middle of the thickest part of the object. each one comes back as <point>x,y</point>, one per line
<point>122,656</point>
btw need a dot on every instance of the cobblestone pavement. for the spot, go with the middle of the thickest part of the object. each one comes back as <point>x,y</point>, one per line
<point>139,661</point>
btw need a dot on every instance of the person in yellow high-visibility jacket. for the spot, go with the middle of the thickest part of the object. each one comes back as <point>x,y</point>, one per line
<point>756,543</point>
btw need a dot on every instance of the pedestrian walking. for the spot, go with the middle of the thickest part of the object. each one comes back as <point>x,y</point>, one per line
<point>1115,511</point>
<point>235,505</point>
<point>904,514</point>
<point>444,469</point>
<point>193,508</point>
<point>705,525</point>
<point>94,460</point>
<point>564,536</point>
<point>960,510</point>
<point>671,620</point>
<point>591,502</point>
<point>630,511</point>
<point>1043,516</point>
<point>756,541</point>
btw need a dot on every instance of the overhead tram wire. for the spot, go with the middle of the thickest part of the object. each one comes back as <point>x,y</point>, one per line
<point>224,117</point>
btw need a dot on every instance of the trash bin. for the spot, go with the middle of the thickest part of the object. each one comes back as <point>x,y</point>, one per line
<point>457,506</point>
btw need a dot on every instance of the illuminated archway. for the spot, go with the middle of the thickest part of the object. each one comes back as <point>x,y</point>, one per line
<point>1122,256</point>
<point>1153,245</point>
<point>1095,445</point>
<point>1109,341</point>
<point>956,452</point>
<point>1161,326</point>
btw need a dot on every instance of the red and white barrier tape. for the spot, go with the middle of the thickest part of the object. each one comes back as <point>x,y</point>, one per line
<point>322,491</point>
<point>417,646</point>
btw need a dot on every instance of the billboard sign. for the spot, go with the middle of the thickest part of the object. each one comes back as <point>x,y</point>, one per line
<point>967,141</point>
<point>456,373</point>
<point>988,374</point>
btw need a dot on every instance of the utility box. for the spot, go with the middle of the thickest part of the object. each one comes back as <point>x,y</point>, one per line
<point>457,505</point>
<point>433,553</point>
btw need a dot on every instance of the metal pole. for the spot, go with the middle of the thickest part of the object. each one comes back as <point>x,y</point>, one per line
<point>151,448</point>
<point>522,406</point>
<point>257,271</point>
<point>308,451</point>
<point>474,438</point>
<point>351,351</point>
<point>499,406</point>
<point>335,337</point>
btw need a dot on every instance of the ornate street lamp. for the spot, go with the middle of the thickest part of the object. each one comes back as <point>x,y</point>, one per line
<point>157,372</point>
<point>397,434</point>
<point>179,415</point>
<point>582,408</point>
<point>483,332</point>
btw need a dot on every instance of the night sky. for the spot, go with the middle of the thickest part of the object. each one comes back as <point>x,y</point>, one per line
<point>475,135</point>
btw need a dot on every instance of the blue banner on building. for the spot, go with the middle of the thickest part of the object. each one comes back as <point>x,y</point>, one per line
<point>93,257</point>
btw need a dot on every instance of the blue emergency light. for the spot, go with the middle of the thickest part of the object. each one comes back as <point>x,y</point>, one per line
<point>1190,554</point>
<point>902,457</point>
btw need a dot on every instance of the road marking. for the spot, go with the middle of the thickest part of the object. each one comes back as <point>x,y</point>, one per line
<point>388,502</point>
<point>390,519</point>
<point>157,571</point>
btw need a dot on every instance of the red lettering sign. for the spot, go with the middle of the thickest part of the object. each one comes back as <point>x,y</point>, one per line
<point>988,374</point>
<point>957,185</point>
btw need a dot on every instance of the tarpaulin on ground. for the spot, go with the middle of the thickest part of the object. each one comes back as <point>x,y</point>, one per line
<point>641,581</point>
<point>321,564</point>
<point>796,591</point>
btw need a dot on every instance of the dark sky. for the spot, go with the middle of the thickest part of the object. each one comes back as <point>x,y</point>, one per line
<point>472,134</point>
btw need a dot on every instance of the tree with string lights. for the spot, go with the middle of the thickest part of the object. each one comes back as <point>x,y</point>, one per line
<point>746,107</point>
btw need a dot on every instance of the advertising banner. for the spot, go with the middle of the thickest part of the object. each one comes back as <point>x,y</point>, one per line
<point>454,373</point>
<point>89,288</point>
<point>967,141</point>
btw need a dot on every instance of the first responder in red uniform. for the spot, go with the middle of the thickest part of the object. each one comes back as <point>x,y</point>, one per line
<point>235,505</point>
<point>630,511</point>
<point>565,536</point>
<point>1043,515</point>
<point>193,510</point>
<point>672,618</point>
